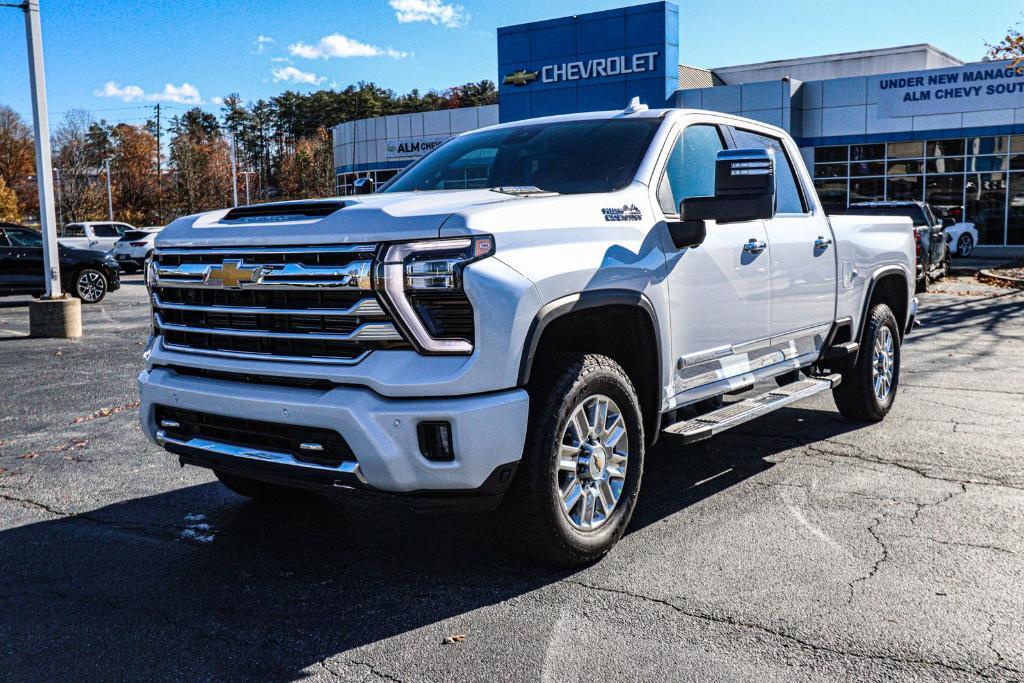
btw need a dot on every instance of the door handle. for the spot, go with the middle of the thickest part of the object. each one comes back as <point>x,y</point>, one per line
<point>822,243</point>
<point>754,247</point>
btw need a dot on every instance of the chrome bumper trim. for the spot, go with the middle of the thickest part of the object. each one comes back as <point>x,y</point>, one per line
<point>242,355</point>
<point>346,467</point>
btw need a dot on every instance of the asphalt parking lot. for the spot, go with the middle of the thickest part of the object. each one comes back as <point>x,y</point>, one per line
<point>799,547</point>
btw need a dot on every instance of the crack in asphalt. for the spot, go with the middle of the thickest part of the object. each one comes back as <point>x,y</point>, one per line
<point>787,637</point>
<point>373,671</point>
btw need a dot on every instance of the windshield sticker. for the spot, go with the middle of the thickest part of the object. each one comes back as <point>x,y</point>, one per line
<point>629,212</point>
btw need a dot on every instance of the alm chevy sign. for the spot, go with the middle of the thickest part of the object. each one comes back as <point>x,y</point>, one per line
<point>976,87</point>
<point>412,148</point>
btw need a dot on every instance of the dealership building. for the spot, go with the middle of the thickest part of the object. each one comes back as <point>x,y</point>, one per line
<point>910,122</point>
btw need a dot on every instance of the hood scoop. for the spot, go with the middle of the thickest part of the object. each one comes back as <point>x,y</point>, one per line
<point>282,212</point>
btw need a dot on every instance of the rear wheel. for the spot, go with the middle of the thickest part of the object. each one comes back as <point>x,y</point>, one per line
<point>964,245</point>
<point>869,386</point>
<point>257,489</point>
<point>577,485</point>
<point>90,285</point>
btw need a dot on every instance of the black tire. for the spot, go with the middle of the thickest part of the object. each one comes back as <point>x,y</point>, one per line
<point>964,245</point>
<point>855,396</point>
<point>922,283</point>
<point>533,504</point>
<point>90,285</point>
<point>256,489</point>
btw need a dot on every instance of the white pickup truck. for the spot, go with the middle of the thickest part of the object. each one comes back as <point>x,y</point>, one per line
<point>518,316</point>
<point>93,235</point>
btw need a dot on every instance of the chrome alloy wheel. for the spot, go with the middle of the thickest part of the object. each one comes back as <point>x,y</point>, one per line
<point>91,286</point>
<point>964,245</point>
<point>592,462</point>
<point>883,363</point>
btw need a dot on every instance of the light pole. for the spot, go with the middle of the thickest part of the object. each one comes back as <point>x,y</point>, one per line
<point>53,315</point>
<point>247,174</point>
<point>110,195</point>
<point>234,174</point>
<point>60,208</point>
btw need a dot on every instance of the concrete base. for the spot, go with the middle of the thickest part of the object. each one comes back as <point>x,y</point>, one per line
<point>55,318</point>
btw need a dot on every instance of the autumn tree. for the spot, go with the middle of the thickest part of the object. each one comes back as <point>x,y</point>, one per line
<point>133,174</point>
<point>200,163</point>
<point>17,158</point>
<point>81,189</point>
<point>1011,48</point>
<point>307,172</point>
<point>9,210</point>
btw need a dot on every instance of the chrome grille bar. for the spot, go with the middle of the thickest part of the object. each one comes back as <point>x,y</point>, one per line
<point>264,251</point>
<point>363,308</point>
<point>363,333</point>
<point>355,275</point>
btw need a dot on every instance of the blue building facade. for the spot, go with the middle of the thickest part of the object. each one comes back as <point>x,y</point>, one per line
<point>589,62</point>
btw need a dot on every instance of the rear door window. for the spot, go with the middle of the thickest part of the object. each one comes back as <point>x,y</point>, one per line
<point>74,230</point>
<point>105,230</point>
<point>788,197</point>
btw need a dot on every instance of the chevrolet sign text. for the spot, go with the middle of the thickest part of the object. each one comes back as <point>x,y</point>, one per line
<point>598,68</point>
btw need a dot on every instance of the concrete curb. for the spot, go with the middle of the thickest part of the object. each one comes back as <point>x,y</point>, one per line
<point>990,278</point>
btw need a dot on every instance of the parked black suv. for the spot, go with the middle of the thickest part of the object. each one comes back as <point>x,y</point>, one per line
<point>929,233</point>
<point>89,275</point>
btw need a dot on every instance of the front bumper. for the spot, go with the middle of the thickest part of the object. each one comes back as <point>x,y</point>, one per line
<point>488,433</point>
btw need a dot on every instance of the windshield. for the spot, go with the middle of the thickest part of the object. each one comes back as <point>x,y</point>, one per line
<point>911,211</point>
<point>569,157</point>
<point>24,238</point>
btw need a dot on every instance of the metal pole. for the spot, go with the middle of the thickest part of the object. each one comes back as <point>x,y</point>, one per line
<point>234,174</point>
<point>247,174</point>
<point>60,207</point>
<point>44,167</point>
<point>110,195</point>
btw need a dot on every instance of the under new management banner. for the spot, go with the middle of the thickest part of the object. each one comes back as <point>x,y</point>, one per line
<point>977,87</point>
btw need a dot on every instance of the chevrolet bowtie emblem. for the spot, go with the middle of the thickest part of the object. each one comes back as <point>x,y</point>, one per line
<point>520,77</point>
<point>233,274</point>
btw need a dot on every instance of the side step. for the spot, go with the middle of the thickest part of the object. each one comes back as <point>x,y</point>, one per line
<point>734,414</point>
<point>841,350</point>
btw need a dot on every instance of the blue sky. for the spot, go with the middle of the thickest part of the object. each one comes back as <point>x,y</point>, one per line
<point>117,57</point>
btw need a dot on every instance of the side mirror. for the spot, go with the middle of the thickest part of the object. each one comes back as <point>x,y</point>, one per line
<point>362,186</point>
<point>744,189</point>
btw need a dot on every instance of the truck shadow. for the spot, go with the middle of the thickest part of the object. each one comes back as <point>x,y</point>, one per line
<point>198,583</point>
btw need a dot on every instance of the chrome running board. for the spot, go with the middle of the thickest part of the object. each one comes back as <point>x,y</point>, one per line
<point>709,424</point>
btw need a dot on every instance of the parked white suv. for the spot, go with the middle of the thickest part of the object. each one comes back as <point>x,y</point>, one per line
<point>134,247</point>
<point>519,315</point>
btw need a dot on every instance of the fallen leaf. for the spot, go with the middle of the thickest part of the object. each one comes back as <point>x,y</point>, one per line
<point>106,412</point>
<point>28,456</point>
<point>450,640</point>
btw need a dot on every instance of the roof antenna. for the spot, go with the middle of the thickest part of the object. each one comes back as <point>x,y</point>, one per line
<point>634,106</point>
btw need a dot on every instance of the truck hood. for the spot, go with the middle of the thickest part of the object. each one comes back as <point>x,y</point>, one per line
<point>357,220</point>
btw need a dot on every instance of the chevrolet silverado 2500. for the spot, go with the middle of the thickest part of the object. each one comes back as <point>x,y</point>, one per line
<point>517,316</point>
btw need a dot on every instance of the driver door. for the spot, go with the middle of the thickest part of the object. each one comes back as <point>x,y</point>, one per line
<point>719,292</point>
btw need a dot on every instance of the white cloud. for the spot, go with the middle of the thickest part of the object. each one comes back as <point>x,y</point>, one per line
<point>281,60</point>
<point>293,75</point>
<point>186,93</point>
<point>262,42</point>
<point>434,11</point>
<point>337,45</point>
<point>217,99</point>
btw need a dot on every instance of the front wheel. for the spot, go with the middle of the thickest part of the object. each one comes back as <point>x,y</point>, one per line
<point>578,482</point>
<point>964,245</point>
<point>868,387</point>
<point>90,285</point>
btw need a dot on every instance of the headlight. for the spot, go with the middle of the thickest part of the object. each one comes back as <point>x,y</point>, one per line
<point>423,283</point>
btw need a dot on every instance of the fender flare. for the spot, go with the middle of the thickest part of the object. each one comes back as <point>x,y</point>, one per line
<point>581,301</point>
<point>870,292</point>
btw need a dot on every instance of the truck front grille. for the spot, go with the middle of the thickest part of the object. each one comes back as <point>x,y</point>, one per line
<point>293,304</point>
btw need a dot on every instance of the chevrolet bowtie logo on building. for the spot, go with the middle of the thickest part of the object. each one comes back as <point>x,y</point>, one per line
<point>520,77</point>
<point>232,274</point>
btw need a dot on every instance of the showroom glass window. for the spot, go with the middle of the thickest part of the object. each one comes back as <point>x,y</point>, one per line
<point>974,179</point>
<point>690,171</point>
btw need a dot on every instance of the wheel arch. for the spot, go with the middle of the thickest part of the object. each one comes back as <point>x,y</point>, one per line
<point>563,325</point>
<point>889,285</point>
